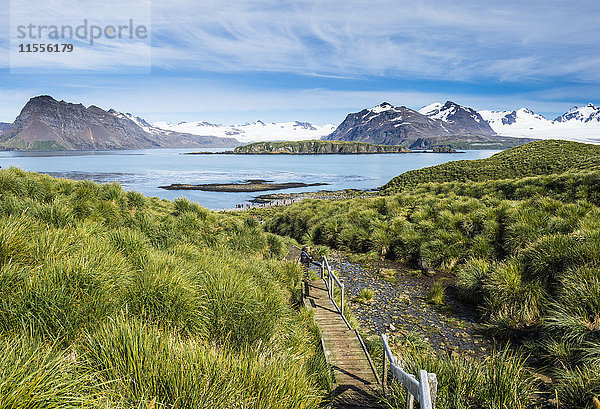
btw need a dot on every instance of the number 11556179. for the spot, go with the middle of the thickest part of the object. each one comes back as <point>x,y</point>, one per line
<point>45,48</point>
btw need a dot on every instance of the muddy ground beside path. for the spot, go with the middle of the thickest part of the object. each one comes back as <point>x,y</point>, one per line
<point>400,305</point>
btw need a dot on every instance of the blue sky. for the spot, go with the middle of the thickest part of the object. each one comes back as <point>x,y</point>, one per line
<point>242,60</point>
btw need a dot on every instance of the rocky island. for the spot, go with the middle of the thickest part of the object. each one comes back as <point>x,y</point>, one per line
<point>312,147</point>
<point>252,185</point>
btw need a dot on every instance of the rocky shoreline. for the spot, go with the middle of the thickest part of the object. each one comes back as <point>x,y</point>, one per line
<point>323,195</point>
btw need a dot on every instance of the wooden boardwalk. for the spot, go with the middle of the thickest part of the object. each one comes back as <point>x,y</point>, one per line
<point>355,383</point>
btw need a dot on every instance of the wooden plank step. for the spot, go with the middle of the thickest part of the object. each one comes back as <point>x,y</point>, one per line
<point>355,384</point>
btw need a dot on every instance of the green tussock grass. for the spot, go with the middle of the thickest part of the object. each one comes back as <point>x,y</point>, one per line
<point>437,292</point>
<point>317,147</point>
<point>110,299</point>
<point>365,296</point>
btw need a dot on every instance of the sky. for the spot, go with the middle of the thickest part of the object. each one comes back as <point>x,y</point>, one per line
<point>311,60</point>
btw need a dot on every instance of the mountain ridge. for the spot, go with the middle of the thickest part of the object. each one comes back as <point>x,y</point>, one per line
<point>4,126</point>
<point>580,124</point>
<point>445,124</point>
<point>249,132</point>
<point>47,124</point>
<point>464,119</point>
<point>464,127</point>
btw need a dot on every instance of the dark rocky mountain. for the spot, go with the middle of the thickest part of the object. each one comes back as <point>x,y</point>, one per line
<point>47,124</point>
<point>461,119</point>
<point>386,124</point>
<point>447,124</point>
<point>305,125</point>
<point>4,126</point>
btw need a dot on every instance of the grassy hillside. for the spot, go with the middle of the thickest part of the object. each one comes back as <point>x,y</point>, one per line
<point>525,251</point>
<point>535,158</point>
<point>316,147</point>
<point>109,299</point>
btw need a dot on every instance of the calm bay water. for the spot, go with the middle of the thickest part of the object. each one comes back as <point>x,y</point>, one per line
<point>146,169</point>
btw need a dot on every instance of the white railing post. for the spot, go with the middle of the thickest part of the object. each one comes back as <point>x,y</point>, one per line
<point>342,300</point>
<point>410,400</point>
<point>385,374</point>
<point>425,397</point>
<point>421,390</point>
<point>433,384</point>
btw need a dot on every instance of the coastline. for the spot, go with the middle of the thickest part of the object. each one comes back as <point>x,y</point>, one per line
<point>286,199</point>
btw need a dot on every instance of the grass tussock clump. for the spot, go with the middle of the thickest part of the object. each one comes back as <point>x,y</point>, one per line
<point>365,296</point>
<point>38,375</point>
<point>139,363</point>
<point>579,386</point>
<point>112,299</point>
<point>535,158</point>
<point>437,292</point>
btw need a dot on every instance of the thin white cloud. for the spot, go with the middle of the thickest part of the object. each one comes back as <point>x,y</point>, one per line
<point>475,42</point>
<point>463,40</point>
<point>432,39</point>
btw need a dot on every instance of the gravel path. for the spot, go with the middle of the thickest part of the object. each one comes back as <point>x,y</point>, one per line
<point>399,305</point>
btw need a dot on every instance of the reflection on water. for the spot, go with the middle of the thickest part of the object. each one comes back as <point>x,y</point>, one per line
<point>105,177</point>
<point>35,154</point>
<point>146,169</point>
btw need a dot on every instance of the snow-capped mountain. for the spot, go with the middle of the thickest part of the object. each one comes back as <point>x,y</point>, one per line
<point>578,124</point>
<point>463,119</point>
<point>178,138</point>
<point>253,132</point>
<point>135,119</point>
<point>387,124</point>
<point>431,109</point>
<point>586,114</point>
<point>435,125</point>
<point>522,120</point>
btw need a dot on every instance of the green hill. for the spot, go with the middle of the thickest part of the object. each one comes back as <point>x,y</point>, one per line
<point>532,159</point>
